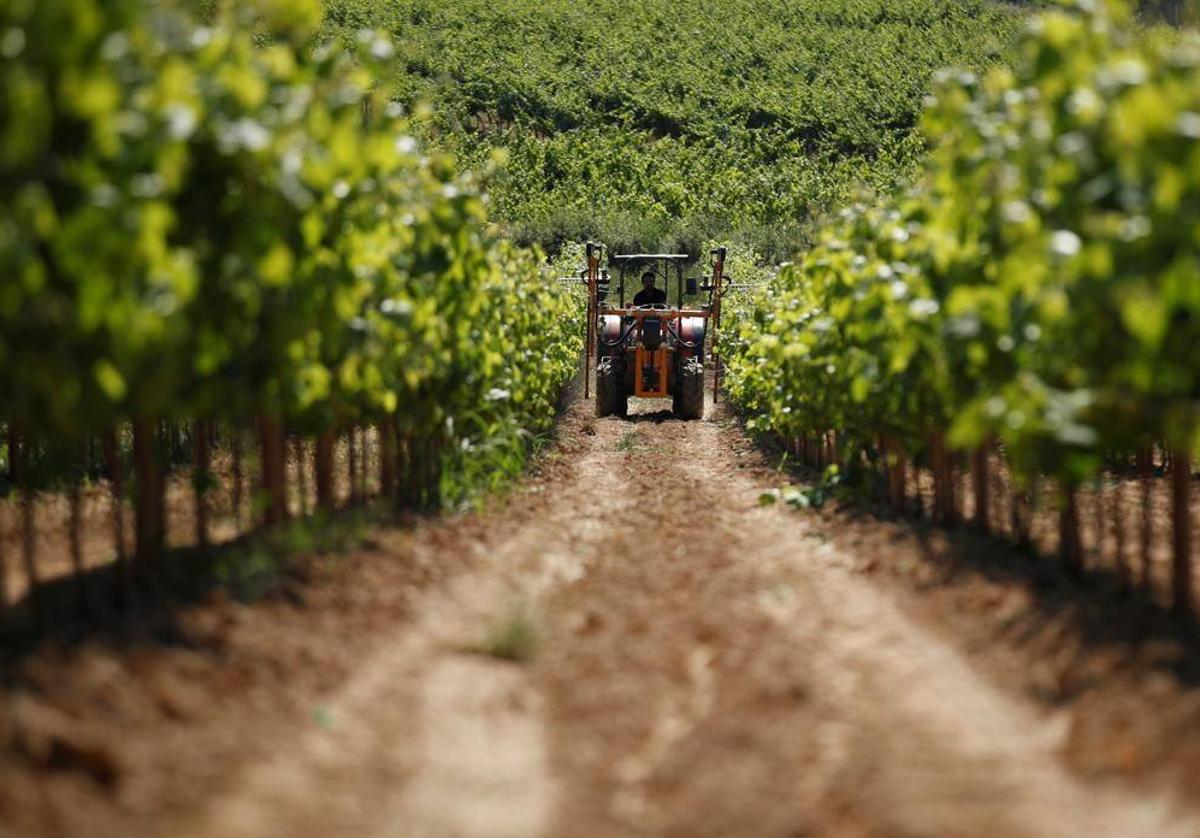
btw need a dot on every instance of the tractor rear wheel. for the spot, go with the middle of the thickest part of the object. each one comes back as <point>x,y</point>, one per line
<point>610,389</point>
<point>689,398</point>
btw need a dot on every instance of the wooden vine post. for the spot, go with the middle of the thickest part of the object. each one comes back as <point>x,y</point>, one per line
<point>18,452</point>
<point>1181,553</point>
<point>1019,513</point>
<point>718,293</point>
<point>75,540</point>
<point>403,470</point>
<point>387,458</point>
<point>149,512</point>
<point>274,470</point>
<point>979,479</point>
<point>943,496</point>
<point>299,455</point>
<point>200,480</point>
<point>423,468</point>
<point>429,453</point>
<point>123,592</point>
<point>351,466</point>
<point>592,253</point>
<point>1145,460</point>
<point>29,540</point>
<point>323,471</point>
<point>1070,547</point>
<point>239,478</point>
<point>951,482</point>
<point>358,450</point>
<point>364,463</point>
<point>896,477</point>
<point>4,568</point>
<point>1117,513</point>
<point>1099,518</point>
<point>414,474</point>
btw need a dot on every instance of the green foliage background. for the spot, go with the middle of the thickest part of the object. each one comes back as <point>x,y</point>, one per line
<point>318,211</point>
<point>669,122</point>
<point>1039,283</point>
<point>230,221</point>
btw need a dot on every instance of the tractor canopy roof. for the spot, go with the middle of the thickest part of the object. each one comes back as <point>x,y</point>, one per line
<point>647,257</point>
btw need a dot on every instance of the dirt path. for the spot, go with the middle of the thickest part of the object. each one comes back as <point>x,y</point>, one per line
<point>695,665</point>
<point>431,738</point>
<point>707,666</point>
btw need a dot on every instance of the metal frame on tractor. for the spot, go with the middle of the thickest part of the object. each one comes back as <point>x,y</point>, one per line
<point>651,352</point>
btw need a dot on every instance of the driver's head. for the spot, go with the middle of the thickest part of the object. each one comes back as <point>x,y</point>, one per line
<point>648,280</point>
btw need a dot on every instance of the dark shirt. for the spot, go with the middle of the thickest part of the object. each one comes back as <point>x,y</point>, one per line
<point>653,296</point>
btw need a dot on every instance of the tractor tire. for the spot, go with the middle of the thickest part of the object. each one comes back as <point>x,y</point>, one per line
<point>610,389</point>
<point>689,398</point>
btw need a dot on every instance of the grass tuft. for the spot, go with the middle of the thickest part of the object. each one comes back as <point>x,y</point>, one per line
<point>516,637</point>
<point>629,441</point>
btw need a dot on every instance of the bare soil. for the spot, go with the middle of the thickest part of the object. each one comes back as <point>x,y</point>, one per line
<point>687,662</point>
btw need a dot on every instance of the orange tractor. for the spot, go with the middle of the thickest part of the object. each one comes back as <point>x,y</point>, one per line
<point>654,346</point>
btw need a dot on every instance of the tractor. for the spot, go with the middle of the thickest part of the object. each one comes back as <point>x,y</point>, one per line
<point>652,347</point>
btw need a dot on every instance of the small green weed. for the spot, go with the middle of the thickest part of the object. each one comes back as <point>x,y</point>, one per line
<point>323,717</point>
<point>809,497</point>
<point>516,637</point>
<point>629,441</point>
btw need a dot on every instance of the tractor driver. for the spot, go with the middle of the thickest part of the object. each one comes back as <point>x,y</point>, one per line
<point>649,295</point>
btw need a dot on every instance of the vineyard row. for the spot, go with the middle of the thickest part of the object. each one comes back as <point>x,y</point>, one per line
<point>1031,302</point>
<point>229,226</point>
